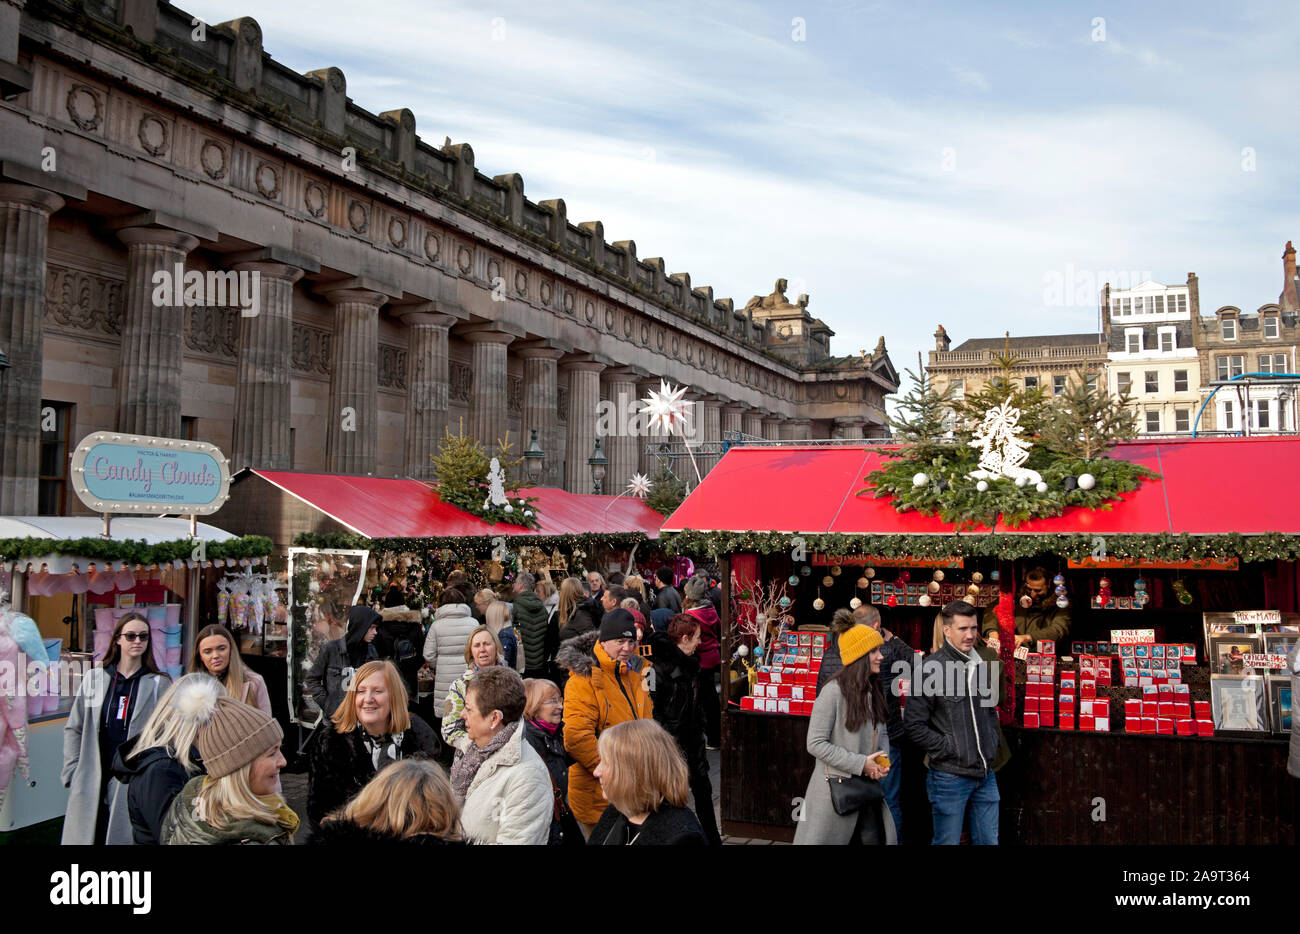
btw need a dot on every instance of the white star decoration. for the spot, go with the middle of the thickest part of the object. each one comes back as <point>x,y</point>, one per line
<point>666,407</point>
<point>640,485</point>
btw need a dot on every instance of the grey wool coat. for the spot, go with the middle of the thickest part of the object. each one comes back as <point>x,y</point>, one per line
<point>81,772</point>
<point>844,753</point>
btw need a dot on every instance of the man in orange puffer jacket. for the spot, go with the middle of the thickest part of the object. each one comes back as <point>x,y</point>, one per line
<point>607,685</point>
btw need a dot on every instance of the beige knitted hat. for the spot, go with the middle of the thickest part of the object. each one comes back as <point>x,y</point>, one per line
<point>234,736</point>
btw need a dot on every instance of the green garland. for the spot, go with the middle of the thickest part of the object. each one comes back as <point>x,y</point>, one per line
<point>477,546</point>
<point>1006,545</point>
<point>134,551</point>
<point>962,505</point>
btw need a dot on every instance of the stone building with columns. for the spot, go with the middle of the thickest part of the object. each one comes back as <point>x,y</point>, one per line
<point>400,291</point>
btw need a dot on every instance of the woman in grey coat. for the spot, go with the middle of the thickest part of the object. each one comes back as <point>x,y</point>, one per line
<point>112,706</point>
<point>444,645</point>
<point>847,736</point>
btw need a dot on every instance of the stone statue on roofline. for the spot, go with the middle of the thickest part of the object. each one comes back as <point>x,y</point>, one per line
<point>776,300</point>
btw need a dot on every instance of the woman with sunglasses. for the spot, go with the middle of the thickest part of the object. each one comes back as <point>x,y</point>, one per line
<point>112,706</point>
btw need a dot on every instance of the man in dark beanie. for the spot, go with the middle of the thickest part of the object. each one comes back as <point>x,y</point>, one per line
<point>668,598</point>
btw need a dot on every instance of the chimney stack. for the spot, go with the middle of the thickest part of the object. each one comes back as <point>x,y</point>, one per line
<point>1288,299</point>
<point>941,341</point>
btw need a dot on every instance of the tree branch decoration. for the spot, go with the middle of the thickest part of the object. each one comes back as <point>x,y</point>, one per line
<point>468,480</point>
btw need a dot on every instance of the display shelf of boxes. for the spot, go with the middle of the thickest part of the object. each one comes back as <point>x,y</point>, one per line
<point>789,684</point>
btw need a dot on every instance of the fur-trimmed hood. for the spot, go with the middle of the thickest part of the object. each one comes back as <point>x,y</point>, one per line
<point>578,655</point>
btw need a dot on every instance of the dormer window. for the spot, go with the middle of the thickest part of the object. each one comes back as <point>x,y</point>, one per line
<point>1229,329</point>
<point>1270,326</point>
<point>1133,341</point>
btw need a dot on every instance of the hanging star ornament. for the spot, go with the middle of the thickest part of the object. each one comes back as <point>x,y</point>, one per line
<point>666,408</point>
<point>639,486</point>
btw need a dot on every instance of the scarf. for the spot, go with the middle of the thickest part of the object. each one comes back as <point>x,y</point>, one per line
<point>378,746</point>
<point>284,815</point>
<point>468,763</point>
<point>545,726</point>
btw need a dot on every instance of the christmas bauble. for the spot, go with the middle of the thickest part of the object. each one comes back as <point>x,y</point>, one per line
<point>785,602</point>
<point>1087,481</point>
<point>1184,598</point>
<point>1026,602</point>
<point>869,573</point>
<point>1058,580</point>
<point>758,653</point>
<point>835,571</point>
<point>891,600</point>
<point>1060,590</point>
<point>933,586</point>
<point>806,571</point>
<point>854,603</point>
<point>1140,584</point>
<point>742,650</point>
<point>819,604</point>
<point>828,581</point>
<point>794,580</point>
<point>924,599</point>
<point>1062,602</point>
<point>507,508</point>
<point>938,575</point>
<point>1021,481</point>
<point>982,486</point>
<point>528,513</point>
<point>863,583</point>
<point>1041,486</point>
<point>995,575</point>
<point>977,578</point>
<point>920,480</point>
<point>973,589</point>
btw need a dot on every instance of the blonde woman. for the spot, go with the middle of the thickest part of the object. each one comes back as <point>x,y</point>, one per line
<point>371,728</point>
<point>497,619</point>
<point>409,802</point>
<point>156,764</point>
<point>217,654</point>
<point>482,650</point>
<point>644,778</point>
<point>635,587</point>
<point>235,803</point>
<point>575,613</point>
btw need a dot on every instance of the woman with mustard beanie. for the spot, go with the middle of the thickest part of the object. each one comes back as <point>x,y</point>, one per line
<point>236,801</point>
<point>848,738</point>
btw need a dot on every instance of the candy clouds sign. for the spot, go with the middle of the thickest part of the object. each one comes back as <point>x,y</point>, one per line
<point>120,473</point>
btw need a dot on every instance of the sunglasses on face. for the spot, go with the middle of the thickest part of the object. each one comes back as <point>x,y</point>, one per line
<point>136,636</point>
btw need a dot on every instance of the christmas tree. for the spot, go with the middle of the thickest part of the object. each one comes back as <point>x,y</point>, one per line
<point>924,417</point>
<point>460,466</point>
<point>1085,421</point>
<point>1001,388</point>
<point>667,492</point>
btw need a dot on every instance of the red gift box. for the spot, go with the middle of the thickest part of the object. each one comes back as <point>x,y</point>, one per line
<point>747,703</point>
<point>1132,709</point>
<point>1185,727</point>
<point>1183,711</point>
<point>1166,710</point>
<point>1202,710</point>
<point>1148,724</point>
<point>1067,721</point>
<point>1164,725</point>
<point>1101,707</point>
<point>1103,676</point>
<point>1031,720</point>
<point>1047,718</point>
<point>1205,727</point>
<point>1031,704</point>
<point>1088,688</point>
<point>1087,722</point>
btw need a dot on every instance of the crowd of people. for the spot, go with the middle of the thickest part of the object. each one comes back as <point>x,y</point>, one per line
<point>577,715</point>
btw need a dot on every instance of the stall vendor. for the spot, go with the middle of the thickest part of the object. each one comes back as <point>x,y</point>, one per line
<point>1042,619</point>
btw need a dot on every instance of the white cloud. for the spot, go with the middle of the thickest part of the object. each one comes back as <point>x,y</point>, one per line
<point>969,77</point>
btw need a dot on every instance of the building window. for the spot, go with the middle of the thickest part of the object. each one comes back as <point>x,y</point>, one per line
<point>1229,329</point>
<point>56,428</point>
<point>1272,363</point>
<point>1182,303</point>
<point>190,427</point>
<point>1122,382</point>
<point>1058,385</point>
<point>1227,417</point>
<point>1159,307</point>
<point>1128,307</point>
<point>1261,413</point>
<point>1230,365</point>
<point>1133,341</point>
<point>1152,381</point>
<point>1091,382</point>
<point>1180,381</point>
<point>1153,421</point>
<point>1182,420</point>
<point>1270,326</point>
<point>1166,341</point>
<point>1031,382</point>
<point>958,388</point>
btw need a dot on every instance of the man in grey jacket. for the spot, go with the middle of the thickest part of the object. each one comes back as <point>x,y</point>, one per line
<point>951,713</point>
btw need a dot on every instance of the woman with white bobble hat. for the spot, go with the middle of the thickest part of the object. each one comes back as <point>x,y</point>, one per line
<point>236,802</point>
<point>156,764</point>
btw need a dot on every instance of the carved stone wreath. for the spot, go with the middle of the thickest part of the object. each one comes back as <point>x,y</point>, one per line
<point>494,271</point>
<point>358,217</point>
<point>590,312</point>
<point>627,326</point>
<point>546,292</point>
<point>315,197</point>
<point>609,319</point>
<point>268,181</point>
<point>84,107</point>
<point>521,282</point>
<point>397,232</point>
<point>432,246</point>
<point>464,259</point>
<point>568,302</point>
<point>214,159</point>
<point>153,135</point>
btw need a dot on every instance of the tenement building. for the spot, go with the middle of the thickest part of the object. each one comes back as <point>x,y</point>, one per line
<point>198,242</point>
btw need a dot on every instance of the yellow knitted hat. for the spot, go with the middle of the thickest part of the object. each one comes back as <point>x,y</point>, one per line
<point>857,642</point>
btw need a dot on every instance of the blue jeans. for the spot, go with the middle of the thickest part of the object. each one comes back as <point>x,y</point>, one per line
<point>949,796</point>
<point>892,785</point>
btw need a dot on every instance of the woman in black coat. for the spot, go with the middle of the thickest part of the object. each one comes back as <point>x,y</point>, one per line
<point>678,710</point>
<point>643,777</point>
<point>371,728</point>
<point>544,731</point>
<point>408,803</point>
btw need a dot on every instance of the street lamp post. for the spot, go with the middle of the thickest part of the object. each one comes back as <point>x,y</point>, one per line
<point>598,462</point>
<point>534,458</point>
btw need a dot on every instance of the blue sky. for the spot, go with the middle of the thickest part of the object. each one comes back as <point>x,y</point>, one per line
<point>905,164</point>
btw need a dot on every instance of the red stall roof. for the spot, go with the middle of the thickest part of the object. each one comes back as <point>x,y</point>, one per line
<point>379,507</point>
<point>1207,486</point>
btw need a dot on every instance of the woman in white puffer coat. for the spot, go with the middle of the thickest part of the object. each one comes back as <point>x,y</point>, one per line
<point>444,644</point>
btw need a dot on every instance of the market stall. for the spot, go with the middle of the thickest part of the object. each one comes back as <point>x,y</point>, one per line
<point>1199,558</point>
<point>73,582</point>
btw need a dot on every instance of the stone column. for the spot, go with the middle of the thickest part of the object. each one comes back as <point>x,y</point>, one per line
<point>427,386</point>
<point>584,396</point>
<point>731,418</point>
<point>541,400</point>
<point>849,426</point>
<point>263,384</point>
<point>709,410</point>
<point>153,333</point>
<point>802,429</point>
<point>352,441</point>
<point>772,427</point>
<point>24,225</point>
<point>623,437</point>
<point>752,421</point>
<point>490,394</point>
